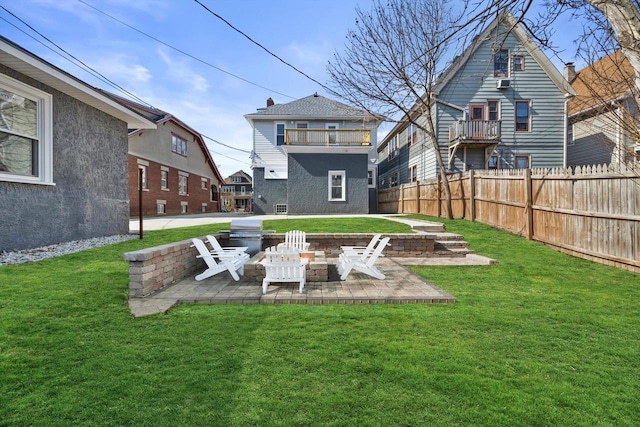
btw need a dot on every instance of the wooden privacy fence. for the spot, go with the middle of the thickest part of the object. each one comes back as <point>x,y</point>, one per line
<point>592,212</point>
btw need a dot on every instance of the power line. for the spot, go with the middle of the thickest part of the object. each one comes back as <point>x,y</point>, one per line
<point>264,48</point>
<point>95,73</point>
<point>84,66</point>
<point>183,52</point>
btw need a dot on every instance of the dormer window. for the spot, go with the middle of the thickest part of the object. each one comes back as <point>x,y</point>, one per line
<point>501,63</point>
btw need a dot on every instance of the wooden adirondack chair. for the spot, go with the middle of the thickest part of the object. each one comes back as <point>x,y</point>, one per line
<point>295,239</point>
<point>218,250</point>
<point>361,252</point>
<point>346,264</point>
<point>233,264</point>
<point>283,265</point>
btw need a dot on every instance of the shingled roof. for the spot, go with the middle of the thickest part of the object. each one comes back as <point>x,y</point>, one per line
<point>603,81</point>
<point>311,107</point>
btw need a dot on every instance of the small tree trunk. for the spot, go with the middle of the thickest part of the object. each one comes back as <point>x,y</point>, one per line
<point>445,184</point>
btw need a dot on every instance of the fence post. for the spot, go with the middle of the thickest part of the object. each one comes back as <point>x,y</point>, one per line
<point>439,197</point>
<point>472,195</point>
<point>400,199</point>
<point>528,204</point>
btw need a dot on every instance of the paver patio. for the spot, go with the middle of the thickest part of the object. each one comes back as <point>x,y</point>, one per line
<point>400,286</point>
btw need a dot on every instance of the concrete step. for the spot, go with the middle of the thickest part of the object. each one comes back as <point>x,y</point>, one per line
<point>445,236</point>
<point>429,228</point>
<point>450,244</point>
<point>453,252</point>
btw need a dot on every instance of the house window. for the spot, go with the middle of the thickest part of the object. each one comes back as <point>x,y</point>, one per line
<point>203,183</point>
<point>412,134</point>
<point>371,178</point>
<point>518,63</point>
<point>413,173</point>
<point>236,179</point>
<point>393,147</point>
<point>164,179</point>
<point>183,183</point>
<point>522,162</point>
<point>501,63</point>
<point>279,133</point>
<point>493,162</point>
<point>242,190</point>
<point>26,143</point>
<point>570,140</point>
<point>494,109</point>
<point>332,136</point>
<point>337,186</point>
<point>183,207</point>
<point>143,169</point>
<point>204,207</point>
<point>162,206</point>
<point>301,136</point>
<point>394,179</point>
<point>523,116</point>
<point>178,145</point>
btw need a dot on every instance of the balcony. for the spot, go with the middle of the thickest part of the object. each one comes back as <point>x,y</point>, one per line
<point>328,137</point>
<point>475,132</point>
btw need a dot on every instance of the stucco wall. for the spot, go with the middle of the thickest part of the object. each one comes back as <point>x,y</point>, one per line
<point>267,192</point>
<point>90,196</point>
<point>308,183</point>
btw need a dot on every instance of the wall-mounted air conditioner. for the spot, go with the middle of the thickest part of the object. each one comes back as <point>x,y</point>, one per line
<point>503,83</point>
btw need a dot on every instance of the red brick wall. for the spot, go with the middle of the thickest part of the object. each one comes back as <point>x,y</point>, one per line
<point>195,194</point>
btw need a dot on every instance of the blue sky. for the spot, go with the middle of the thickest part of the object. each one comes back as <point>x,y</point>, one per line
<point>305,33</point>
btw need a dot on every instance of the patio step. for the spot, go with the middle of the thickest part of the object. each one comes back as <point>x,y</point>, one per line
<point>451,245</point>
<point>430,227</point>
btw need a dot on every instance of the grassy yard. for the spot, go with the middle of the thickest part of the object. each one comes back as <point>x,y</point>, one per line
<point>539,339</point>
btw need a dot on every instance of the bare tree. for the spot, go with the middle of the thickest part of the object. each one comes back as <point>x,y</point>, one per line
<point>391,63</point>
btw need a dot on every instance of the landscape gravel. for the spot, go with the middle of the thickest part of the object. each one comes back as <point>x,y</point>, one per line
<point>37,254</point>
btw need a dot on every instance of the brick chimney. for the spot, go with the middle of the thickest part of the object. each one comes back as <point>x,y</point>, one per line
<point>270,102</point>
<point>569,71</point>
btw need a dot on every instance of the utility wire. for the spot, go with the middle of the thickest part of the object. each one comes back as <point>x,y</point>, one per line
<point>95,73</point>
<point>181,51</point>
<point>264,48</point>
<point>83,65</point>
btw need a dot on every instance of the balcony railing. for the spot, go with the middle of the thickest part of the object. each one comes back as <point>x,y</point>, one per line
<point>475,131</point>
<point>328,136</point>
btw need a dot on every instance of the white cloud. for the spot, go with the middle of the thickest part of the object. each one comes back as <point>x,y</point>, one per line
<point>310,54</point>
<point>180,71</point>
<point>122,68</point>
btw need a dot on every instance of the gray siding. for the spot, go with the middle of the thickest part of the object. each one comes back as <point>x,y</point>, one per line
<point>267,193</point>
<point>308,183</point>
<point>90,198</point>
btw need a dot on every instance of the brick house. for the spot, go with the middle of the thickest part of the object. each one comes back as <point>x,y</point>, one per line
<point>179,175</point>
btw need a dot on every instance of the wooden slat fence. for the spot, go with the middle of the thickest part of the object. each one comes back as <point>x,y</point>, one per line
<point>592,212</point>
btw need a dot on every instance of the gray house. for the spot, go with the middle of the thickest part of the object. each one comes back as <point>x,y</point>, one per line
<point>500,105</point>
<point>313,156</point>
<point>63,155</point>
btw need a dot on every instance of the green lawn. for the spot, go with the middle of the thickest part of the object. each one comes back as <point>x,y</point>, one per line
<point>539,339</point>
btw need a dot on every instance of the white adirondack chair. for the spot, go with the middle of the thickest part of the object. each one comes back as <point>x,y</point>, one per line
<point>346,264</point>
<point>218,250</point>
<point>361,252</point>
<point>233,264</point>
<point>295,239</point>
<point>283,265</point>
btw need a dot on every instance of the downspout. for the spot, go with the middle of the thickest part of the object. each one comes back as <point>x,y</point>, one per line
<point>566,128</point>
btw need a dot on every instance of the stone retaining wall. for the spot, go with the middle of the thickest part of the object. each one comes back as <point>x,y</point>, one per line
<point>154,268</point>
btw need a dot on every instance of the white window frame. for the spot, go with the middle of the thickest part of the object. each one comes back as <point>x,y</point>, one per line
<point>44,101</point>
<point>413,173</point>
<point>393,147</point>
<point>183,183</point>
<point>184,207</point>
<point>162,206</point>
<point>204,184</point>
<point>332,137</point>
<point>164,178</point>
<point>371,177</point>
<point>343,186</point>
<point>178,145</point>
<point>394,179</point>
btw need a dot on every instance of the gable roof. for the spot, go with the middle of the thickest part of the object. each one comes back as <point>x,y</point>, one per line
<point>159,117</point>
<point>523,37</point>
<point>239,173</point>
<point>25,62</point>
<point>606,80</point>
<point>311,107</point>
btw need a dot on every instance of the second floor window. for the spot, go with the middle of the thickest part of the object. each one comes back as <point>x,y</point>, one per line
<point>279,133</point>
<point>523,116</point>
<point>494,110</point>
<point>412,134</point>
<point>393,147</point>
<point>501,63</point>
<point>164,179</point>
<point>518,63</point>
<point>178,145</point>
